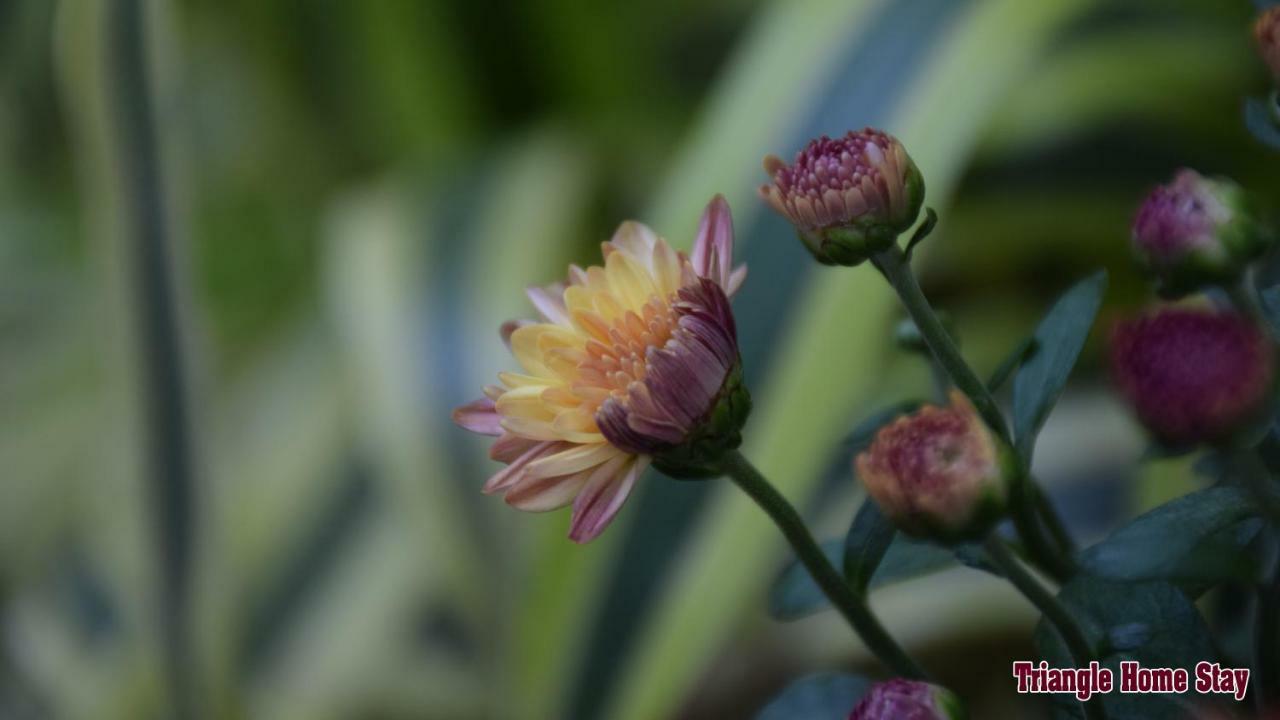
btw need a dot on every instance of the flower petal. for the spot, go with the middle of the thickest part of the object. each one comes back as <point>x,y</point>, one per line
<point>509,475</point>
<point>572,460</point>
<point>479,416</point>
<point>713,248</point>
<point>602,497</point>
<point>542,494</point>
<point>550,303</point>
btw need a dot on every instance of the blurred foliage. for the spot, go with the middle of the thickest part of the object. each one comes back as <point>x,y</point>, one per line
<point>362,190</point>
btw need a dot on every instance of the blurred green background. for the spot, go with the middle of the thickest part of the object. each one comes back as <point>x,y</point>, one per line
<point>252,252</point>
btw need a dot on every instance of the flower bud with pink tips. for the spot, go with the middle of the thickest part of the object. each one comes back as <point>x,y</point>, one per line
<point>633,363</point>
<point>848,198</point>
<point>1194,375</point>
<point>1197,231</point>
<point>939,473</point>
<point>901,699</point>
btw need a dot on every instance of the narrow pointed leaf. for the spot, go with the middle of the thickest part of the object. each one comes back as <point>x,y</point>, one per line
<point>1059,339</point>
<point>866,544</point>
<point>1163,544</point>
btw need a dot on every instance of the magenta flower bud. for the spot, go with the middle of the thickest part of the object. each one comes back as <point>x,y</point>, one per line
<point>847,198</point>
<point>900,699</point>
<point>1197,231</point>
<point>1266,33</point>
<point>1193,375</point>
<point>939,473</point>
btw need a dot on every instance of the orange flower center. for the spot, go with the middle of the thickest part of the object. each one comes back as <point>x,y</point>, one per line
<point>614,364</point>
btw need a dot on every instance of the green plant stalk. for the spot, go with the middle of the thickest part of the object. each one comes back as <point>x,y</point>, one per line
<point>1054,611</point>
<point>1053,522</point>
<point>893,265</point>
<point>852,605</point>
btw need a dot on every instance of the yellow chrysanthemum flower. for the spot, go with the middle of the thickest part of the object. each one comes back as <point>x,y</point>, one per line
<point>635,361</point>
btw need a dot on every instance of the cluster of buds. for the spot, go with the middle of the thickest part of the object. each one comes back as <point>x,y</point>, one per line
<point>848,198</point>
<point>1197,231</point>
<point>939,473</point>
<point>900,699</point>
<point>1194,375</point>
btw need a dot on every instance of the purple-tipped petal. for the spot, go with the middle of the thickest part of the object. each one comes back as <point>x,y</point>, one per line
<point>511,474</point>
<point>713,248</point>
<point>550,303</point>
<point>479,416</point>
<point>601,498</point>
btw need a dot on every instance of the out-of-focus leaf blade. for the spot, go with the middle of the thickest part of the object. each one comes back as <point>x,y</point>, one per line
<point>822,695</point>
<point>1059,339</point>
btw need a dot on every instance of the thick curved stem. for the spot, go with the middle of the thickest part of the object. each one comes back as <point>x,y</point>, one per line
<point>894,266</point>
<point>852,605</point>
<point>1054,611</point>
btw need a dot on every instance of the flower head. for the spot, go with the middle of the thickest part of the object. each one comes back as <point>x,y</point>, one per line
<point>634,362</point>
<point>1193,375</point>
<point>848,198</point>
<point>900,699</point>
<point>1196,231</point>
<point>1266,33</point>
<point>939,473</point>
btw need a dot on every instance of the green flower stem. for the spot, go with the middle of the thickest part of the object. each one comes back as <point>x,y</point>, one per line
<point>850,603</point>
<point>893,264</point>
<point>1025,514</point>
<point>1053,522</point>
<point>1054,611</point>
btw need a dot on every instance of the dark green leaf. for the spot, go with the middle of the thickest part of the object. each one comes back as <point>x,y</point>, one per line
<point>1260,121</point>
<point>1059,339</point>
<point>794,594</point>
<point>1164,543</point>
<point>866,544</point>
<point>1129,636</point>
<point>1270,301</point>
<point>1175,636</point>
<point>1011,362</point>
<point>822,695</point>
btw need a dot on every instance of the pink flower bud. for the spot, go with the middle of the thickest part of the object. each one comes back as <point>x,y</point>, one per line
<point>848,198</point>
<point>939,473</point>
<point>900,699</point>
<point>1193,375</point>
<point>1266,33</point>
<point>1196,231</point>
